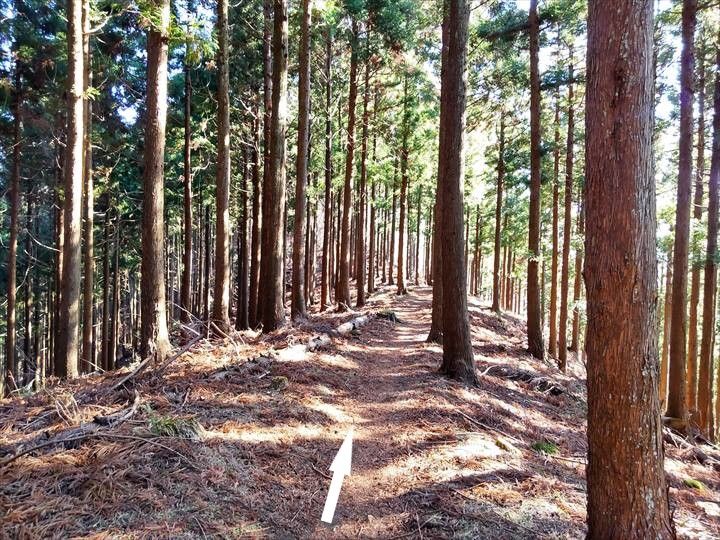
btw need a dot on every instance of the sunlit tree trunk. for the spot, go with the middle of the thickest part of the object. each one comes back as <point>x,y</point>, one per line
<point>241,315</point>
<point>567,235</point>
<point>534,311</point>
<point>627,493</point>
<point>255,232</point>
<point>342,292</point>
<point>665,350</point>
<point>497,275</point>
<point>458,362</point>
<point>187,272</point>
<point>705,381</point>
<point>677,389</point>
<point>327,214</point>
<point>154,340</point>
<point>552,338</point>
<point>361,269</point>
<point>68,346</point>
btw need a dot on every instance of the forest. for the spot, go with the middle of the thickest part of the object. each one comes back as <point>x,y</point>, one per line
<point>359,269</point>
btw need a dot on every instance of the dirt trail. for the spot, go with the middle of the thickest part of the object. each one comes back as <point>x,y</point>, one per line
<point>432,458</point>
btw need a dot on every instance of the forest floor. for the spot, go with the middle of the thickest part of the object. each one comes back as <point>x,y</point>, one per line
<point>233,441</point>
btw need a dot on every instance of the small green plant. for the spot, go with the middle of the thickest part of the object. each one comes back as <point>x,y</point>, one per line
<point>279,383</point>
<point>181,428</point>
<point>694,484</point>
<point>545,447</point>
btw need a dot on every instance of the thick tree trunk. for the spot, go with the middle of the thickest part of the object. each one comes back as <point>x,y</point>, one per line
<point>221,292</point>
<point>342,292</point>
<point>154,340</point>
<point>297,302</point>
<point>553,319</point>
<point>391,258</point>
<point>567,234</point>
<point>68,346</point>
<point>255,232</point>
<point>458,362</point>
<point>705,388</point>
<point>624,428</point>
<point>534,312</point>
<point>677,390</point>
<point>497,277</point>
<point>187,272</point>
<point>374,235</point>
<point>272,264</point>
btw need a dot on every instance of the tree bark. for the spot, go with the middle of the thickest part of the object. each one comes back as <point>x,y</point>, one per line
<point>297,302</point>
<point>391,258</point>
<point>692,351</point>
<point>677,390</point>
<point>342,292</point>
<point>221,292</point>
<point>553,322</point>
<point>241,315</point>
<point>567,234</point>
<point>667,310</point>
<point>534,311</point>
<point>404,180</point>
<point>255,232</point>
<point>272,264</point>
<point>186,286</point>
<point>361,268</point>
<point>68,346</point>
<point>327,215</point>
<point>624,427</point>
<point>154,340</point>
<point>458,362</point>
<point>14,204</point>
<point>705,389</point>
<point>497,277</point>
<point>577,286</point>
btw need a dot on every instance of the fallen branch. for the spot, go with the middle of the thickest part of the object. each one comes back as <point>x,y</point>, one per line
<point>298,352</point>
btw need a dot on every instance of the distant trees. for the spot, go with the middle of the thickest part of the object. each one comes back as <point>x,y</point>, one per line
<point>624,427</point>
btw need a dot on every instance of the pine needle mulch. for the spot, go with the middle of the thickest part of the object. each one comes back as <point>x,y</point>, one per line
<point>232,441</point>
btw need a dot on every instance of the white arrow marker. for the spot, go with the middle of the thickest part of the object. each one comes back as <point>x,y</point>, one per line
<point>340,468</point>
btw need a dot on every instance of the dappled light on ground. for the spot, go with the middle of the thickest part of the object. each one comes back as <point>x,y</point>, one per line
<point>432,458</point>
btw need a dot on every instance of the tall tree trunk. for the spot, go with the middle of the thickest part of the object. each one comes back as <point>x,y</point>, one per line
<point>14,203</point>
<point>361,268</point>
<point>404,180</point>
<point>458,362</point>
<point>664,352</point>
<point>255,232</point>
<point>154,340</point>
<point>115,324</point>
<point>297,302</point>
<point>692,352</point>
<point>391,261</point>
<point>342,293</point>
<point>30,331</point>
<point>105,348</point>
<point>497,277</point>
<point>577,286</point>
<point>552,338</point>
<point>187,273</point>
<point>267,134</point>
<point>272,264</point>
<point>534,311</point>
<point>221,292</point>
<point>436,324</point>
<point>89,204</point>
<point>624,500</point>
<point>374,234</point>
<point>677,401</point>
<point>327,214</point>
<point>241,316</point>
<point>567,234</point>
<point>705,393</point>
<point>68,346</point>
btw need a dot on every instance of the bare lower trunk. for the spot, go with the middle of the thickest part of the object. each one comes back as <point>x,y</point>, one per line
<point>68,346</point>
<point>667,310</point>
<point>89,205</point>
<point>624,500</point>
<point>458,362</point>
<point>327,215</point>
<point>255,233</point>
<point>154,340</point>
<point>677,390</point>
<point>552,338</point>
<point>497,277</point>
<point>186,288</point>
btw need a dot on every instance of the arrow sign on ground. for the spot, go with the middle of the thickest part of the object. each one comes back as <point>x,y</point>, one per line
<point>340,468</point>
